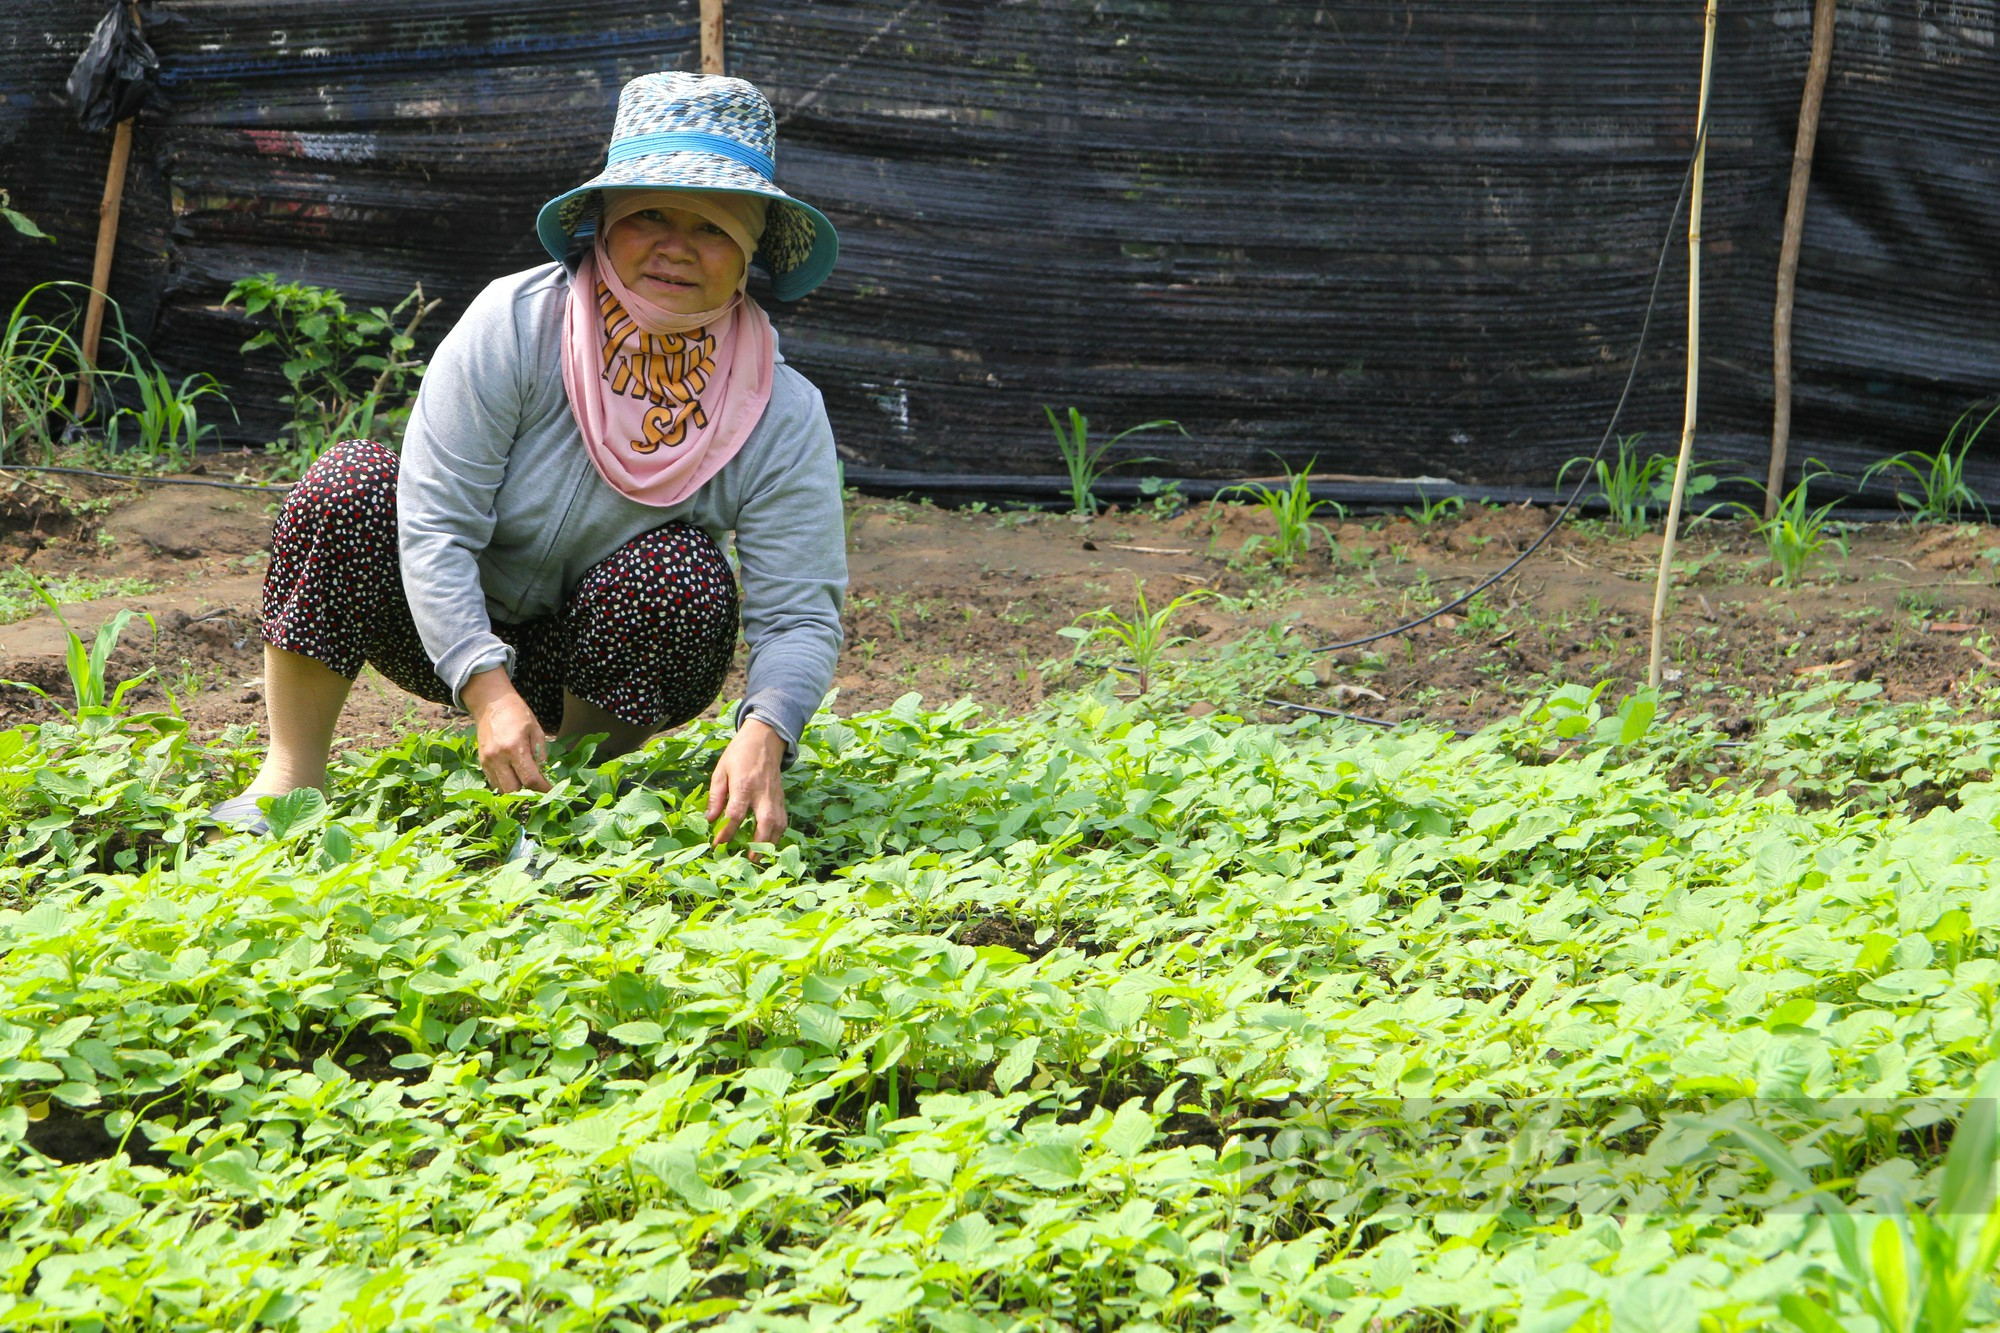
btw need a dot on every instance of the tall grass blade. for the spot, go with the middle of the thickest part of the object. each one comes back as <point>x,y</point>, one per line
<point>1086,465</point>
<point>1943,494</point>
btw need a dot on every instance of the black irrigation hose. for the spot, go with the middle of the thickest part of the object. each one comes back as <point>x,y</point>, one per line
<point>148,481</point>
<point>1569,505</point>
<point>1382,722</point>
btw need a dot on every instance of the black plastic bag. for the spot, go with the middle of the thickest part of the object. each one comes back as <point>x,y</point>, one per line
<point>116,73</point>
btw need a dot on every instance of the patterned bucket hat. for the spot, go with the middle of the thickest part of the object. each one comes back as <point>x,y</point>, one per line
<point>679,131</point>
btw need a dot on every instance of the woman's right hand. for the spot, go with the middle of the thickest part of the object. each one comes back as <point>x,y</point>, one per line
<point>512,746</point>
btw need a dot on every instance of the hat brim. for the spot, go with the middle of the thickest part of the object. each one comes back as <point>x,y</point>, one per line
<point>798,247</point>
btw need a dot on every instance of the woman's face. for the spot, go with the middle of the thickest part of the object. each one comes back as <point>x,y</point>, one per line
<point>677,258</point>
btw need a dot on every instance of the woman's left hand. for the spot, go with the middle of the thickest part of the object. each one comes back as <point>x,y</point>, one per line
<point>746,781</point>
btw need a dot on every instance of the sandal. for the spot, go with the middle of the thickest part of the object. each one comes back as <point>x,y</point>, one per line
<point>241,814</point>
<point>527,854</point>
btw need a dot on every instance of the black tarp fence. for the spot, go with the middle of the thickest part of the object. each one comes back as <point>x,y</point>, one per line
<point>1397,239</point>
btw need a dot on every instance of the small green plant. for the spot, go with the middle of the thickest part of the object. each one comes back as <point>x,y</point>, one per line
<point>167,418</point>
<point>1942,494</point>
<point>1634,490</point>
<point>1033,950</point>
<point>1798,533</point>
<point>1481,616</point>
<point>330,352</point>
<point>1292,509</point>
<point>1426,511</point>
<point>1145,634</point>
<point>1086,464</point>
<point>1911,1272</point>
<point>1162,495</point>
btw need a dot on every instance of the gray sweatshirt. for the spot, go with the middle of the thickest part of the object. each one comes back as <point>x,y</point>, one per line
<point>501,513</point>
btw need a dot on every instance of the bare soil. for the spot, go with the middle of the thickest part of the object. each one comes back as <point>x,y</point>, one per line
<point>959,603</point>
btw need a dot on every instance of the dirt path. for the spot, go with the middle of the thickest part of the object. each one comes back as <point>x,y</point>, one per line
<point>954,603</point>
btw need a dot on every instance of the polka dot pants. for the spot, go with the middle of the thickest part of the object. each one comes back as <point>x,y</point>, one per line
<point>646,635</point>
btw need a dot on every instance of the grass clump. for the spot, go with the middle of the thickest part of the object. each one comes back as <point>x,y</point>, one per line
<point>1635,490</point>
<point>1799,534</point>
<point>1942,494</point>
<point>39,355</point>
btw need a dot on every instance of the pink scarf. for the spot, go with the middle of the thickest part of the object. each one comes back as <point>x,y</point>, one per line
<point>663,400</point>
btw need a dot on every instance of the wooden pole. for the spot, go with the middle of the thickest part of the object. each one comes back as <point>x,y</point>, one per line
<point>107,243</point>
<point>1788,253</point>
<point>711,36</point>
<point>100,269</point>
<point>1654,670</point>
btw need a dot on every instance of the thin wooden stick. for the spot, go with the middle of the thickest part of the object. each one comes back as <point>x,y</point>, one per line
<point>391,363</point>
<point>711,36</point>
<point>1788,253</point>
<point>100,269</point>
<point>1653,670</point>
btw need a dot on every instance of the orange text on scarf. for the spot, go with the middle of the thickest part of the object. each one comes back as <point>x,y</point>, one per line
<point>668,370</point>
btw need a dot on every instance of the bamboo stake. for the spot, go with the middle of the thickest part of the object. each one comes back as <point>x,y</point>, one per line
<point>1788,253</point>
<point>711,36</point>
<point>1653,670</point>
<point>100,269</point>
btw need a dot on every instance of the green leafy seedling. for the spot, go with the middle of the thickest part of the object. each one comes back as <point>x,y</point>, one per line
<point>297,811</point>
<point>1086,464</point>
<point>1427,512</point>
<point>1144,634</point>
<point>87,665</point>
<point>1292,509</point>
<point>1481,616</point>
<point>168,416</point>
<point>1162,495</point>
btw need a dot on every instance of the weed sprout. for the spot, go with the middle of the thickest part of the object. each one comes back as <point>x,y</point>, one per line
<point>1427,512</point>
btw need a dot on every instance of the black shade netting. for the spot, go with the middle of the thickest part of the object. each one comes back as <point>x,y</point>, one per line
<point>1399,240</point>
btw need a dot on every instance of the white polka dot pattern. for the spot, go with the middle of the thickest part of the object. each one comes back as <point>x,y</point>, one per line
<point>647,634</point>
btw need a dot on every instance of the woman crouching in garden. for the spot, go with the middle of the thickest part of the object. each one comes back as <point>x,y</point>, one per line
<point>548,553</point>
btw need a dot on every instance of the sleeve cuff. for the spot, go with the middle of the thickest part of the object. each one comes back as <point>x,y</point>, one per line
<point>775,717</point>
<point>468,657</point>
